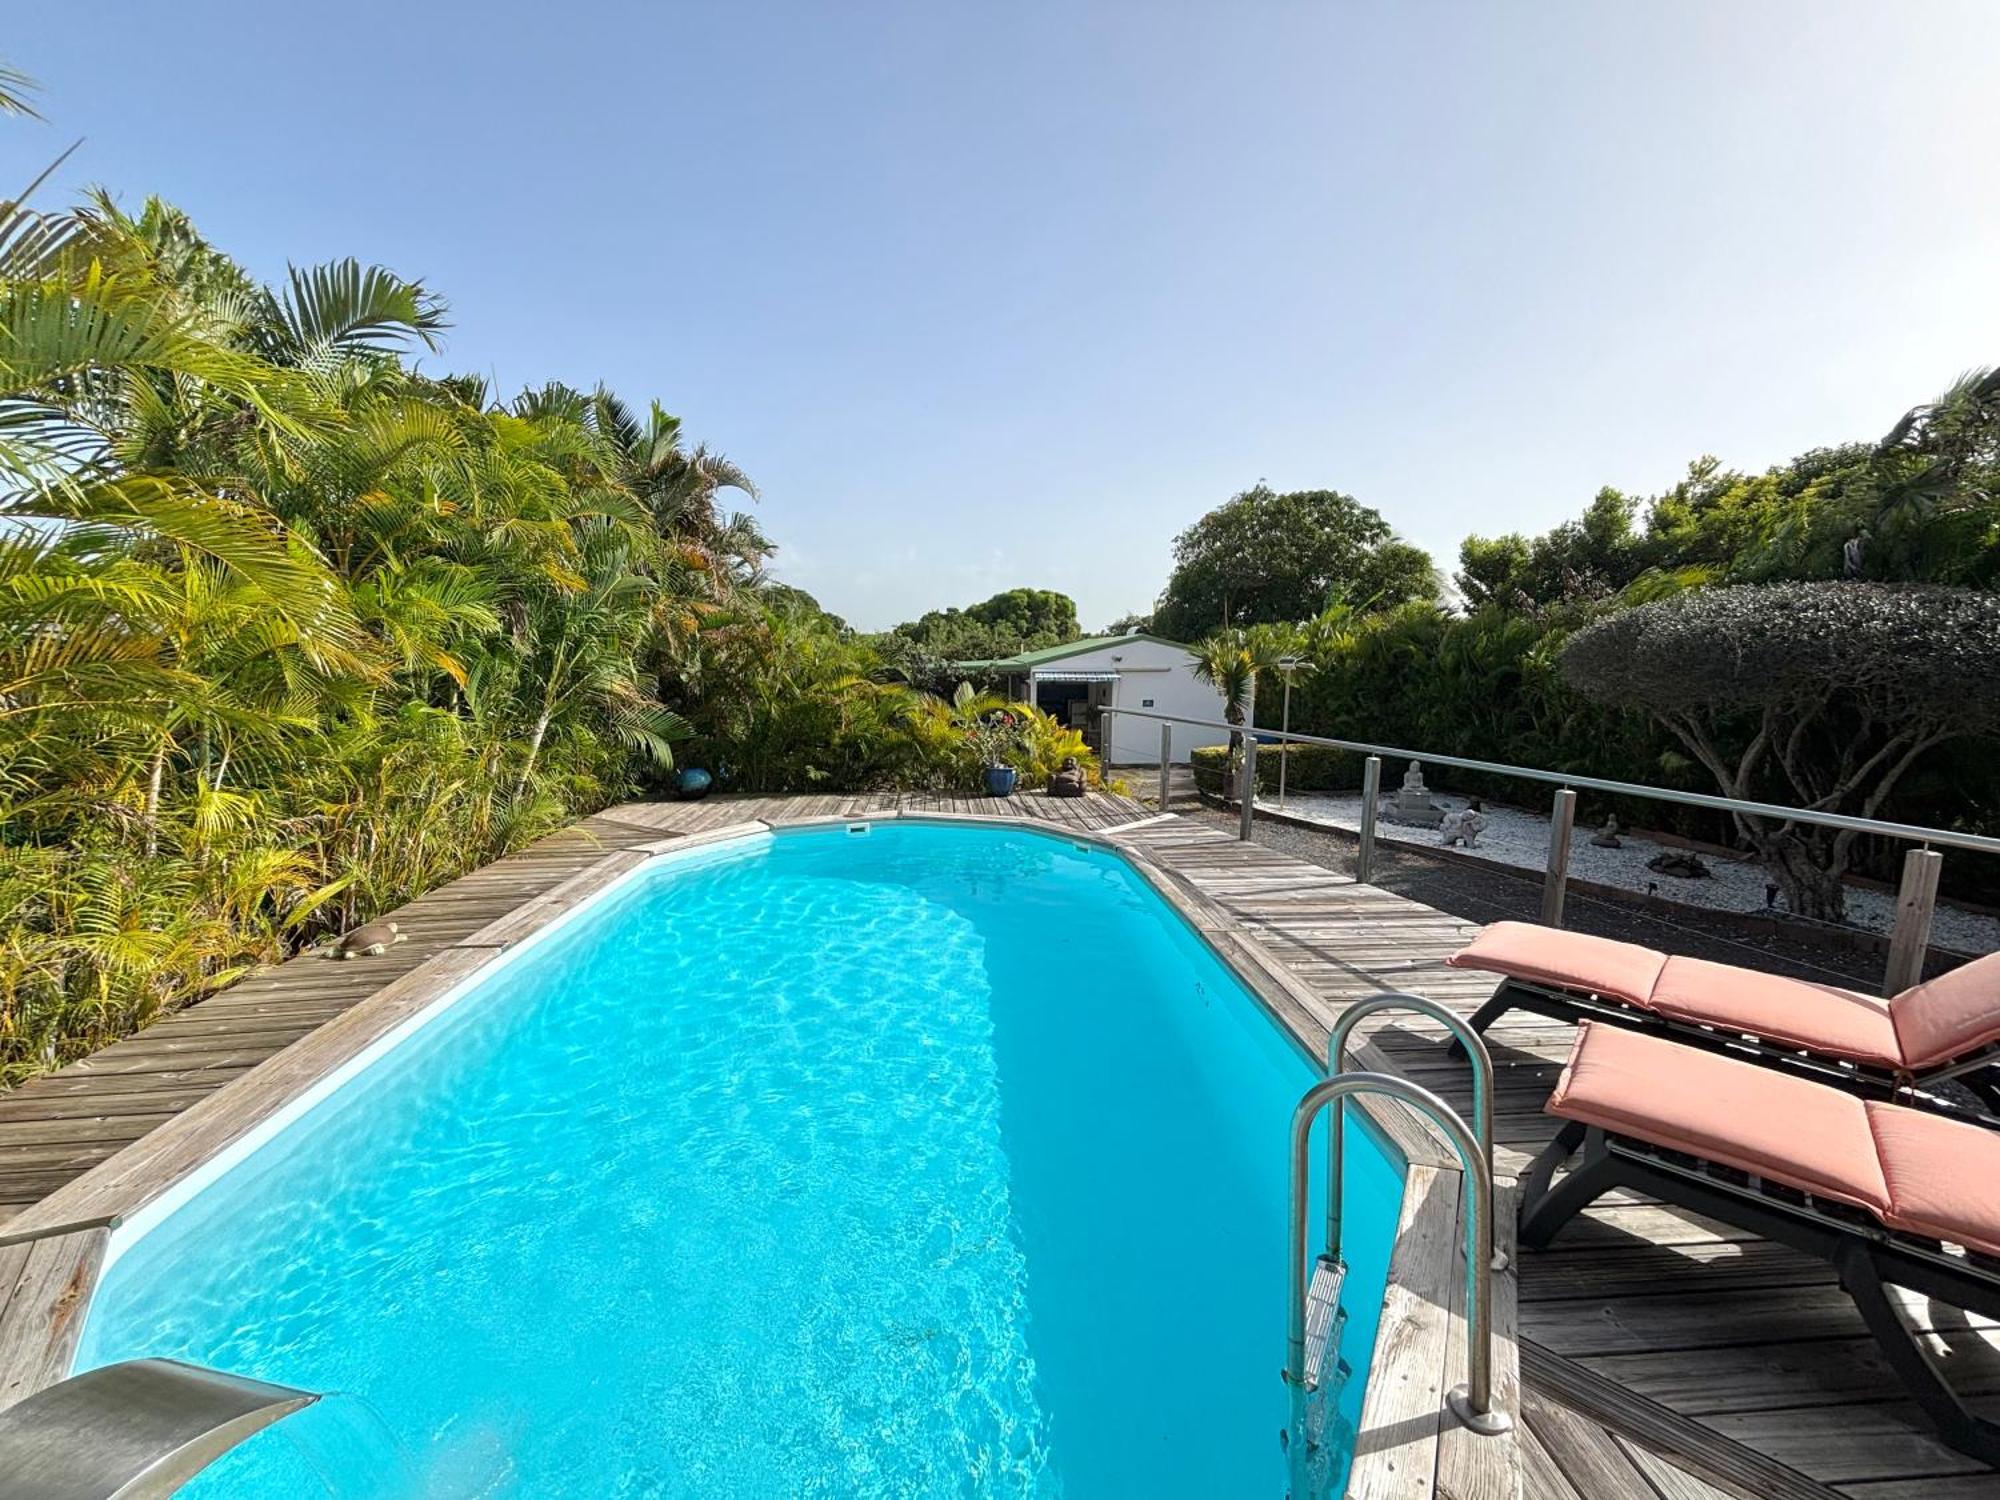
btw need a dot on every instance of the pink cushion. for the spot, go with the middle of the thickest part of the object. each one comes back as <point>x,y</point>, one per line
<point>1817,1017</point>
<point>1954,1014</point>
<point>1803,1134</point>
<point>1565,960</point>
<point>1943,1175</point>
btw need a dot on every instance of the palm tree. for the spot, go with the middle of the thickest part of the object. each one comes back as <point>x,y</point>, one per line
<point>1230,661</point>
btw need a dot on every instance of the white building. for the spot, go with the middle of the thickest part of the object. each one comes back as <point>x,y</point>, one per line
<point>1077,682</point>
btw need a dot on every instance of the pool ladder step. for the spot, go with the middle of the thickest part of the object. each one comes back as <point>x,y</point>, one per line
<point>1325,1319</point>
<point>1313,1323</point>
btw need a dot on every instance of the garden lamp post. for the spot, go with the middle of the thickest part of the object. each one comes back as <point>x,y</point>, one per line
<point>1288,665</point>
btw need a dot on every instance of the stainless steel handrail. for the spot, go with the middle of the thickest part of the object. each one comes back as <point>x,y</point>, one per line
<point>1911,832</point>
<point>1336,1064</point>
<point>1472,1402</point>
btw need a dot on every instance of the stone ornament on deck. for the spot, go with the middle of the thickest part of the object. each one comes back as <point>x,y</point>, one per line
<point>1069,780</point>
<point>1463,826</point>
<point>1412,803</point>
<point>367,941</point>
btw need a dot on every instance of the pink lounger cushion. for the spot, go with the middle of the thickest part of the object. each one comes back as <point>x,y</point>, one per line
<point>1915,1171</point>
<point>1953,1015</point>
<point>1788,1129</point>
<point>1566,960</point>
<point>1818,1017</point>
<point>1943,1175</point>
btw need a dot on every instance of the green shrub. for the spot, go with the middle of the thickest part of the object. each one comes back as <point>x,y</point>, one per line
<point>1309,768</point>
<point>1210,765</point>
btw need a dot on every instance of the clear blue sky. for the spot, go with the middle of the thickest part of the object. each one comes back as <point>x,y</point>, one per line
<point>987,295</point>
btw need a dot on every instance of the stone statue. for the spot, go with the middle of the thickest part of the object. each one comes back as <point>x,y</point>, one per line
<point>1464,826</point>
<point>1853,553</point>
<point>1682,864</point>
<point>1412,802</point>
<point>367,941</point>
<point>1069,780</point>
<point>1607,836</point>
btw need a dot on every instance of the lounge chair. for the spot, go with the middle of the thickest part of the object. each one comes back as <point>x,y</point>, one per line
<point>1882,1193</point>
<point>1946,1029</point>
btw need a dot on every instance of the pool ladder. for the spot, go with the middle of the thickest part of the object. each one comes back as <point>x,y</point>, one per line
<point>1313,1368</point>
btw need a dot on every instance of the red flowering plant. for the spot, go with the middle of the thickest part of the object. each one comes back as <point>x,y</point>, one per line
<point>990,727</point>
<point>996,737</point>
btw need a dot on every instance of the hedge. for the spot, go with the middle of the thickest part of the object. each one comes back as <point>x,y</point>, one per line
<point>1310,768</point>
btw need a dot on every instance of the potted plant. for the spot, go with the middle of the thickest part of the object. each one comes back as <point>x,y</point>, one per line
<point>994,737</point>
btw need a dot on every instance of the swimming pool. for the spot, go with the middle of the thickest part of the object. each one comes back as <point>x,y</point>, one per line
<point>925,1160</point>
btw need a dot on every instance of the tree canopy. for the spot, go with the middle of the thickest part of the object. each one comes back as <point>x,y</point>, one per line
<point>1843,687</point>
<point>1012,620</point>
<point>1920,505</point>
<point>925,652</point>
<point>1266,557</point>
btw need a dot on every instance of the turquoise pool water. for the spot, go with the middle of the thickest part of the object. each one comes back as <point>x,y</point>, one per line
<point>936,1160</point>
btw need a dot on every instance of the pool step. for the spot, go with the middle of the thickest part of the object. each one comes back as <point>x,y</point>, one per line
<point>1324,1318</point>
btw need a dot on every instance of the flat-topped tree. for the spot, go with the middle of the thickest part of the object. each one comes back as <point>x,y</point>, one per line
<point>1831,690</point>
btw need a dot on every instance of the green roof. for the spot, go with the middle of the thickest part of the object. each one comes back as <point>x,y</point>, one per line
<point>1023,661</point>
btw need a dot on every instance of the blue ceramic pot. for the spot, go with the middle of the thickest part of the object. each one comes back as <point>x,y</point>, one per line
<point>1001,781</point>
<point>694,784</point>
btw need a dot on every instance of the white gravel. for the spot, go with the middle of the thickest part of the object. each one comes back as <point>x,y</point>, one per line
<point>1521,839</point>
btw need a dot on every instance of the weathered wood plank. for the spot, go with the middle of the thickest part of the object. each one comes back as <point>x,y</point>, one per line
<point>1396,1449</point>
<point>43,1311</point>
<point>1633,1324</point>
<point>1958,1487</point>
<point>534,914</point>
<point>1584,1451</point>
<point>1721,1460</point>
<point>1671,1481</point>
<point>1542,1477</point>
<point>1770,1376</point>
<point>1845,1444</point>
<point>1471,1467</point>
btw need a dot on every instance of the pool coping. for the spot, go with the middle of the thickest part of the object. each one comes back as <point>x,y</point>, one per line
<point>52,1254</point>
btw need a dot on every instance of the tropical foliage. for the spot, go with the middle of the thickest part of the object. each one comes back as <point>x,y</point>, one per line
<point>292,630</point>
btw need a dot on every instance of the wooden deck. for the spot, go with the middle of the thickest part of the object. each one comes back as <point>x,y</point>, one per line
<point>1662,1357</point>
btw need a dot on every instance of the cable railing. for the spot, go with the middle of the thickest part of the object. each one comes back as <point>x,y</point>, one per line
<point>1916,900</point>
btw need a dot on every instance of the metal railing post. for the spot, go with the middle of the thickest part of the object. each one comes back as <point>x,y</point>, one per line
<point>1249,789</point>
<point>1371,795</point>
<point>1915,903</point>
<point>1562,824</point>
<point>1166,763</point>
